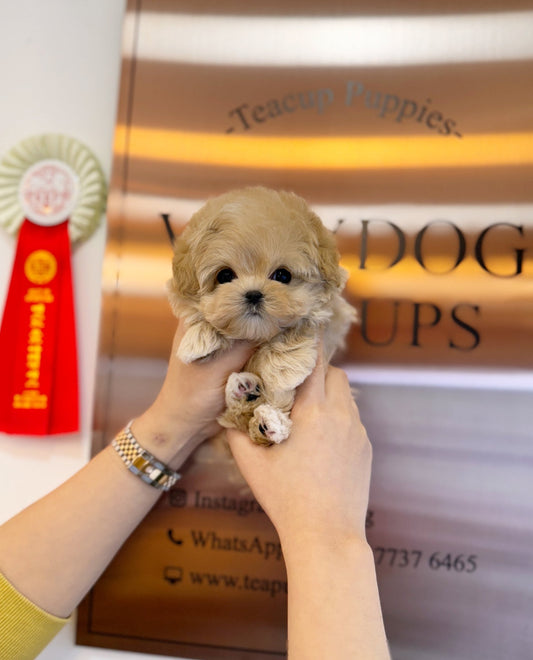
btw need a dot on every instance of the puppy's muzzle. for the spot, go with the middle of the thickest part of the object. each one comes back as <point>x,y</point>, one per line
<point>254,298</point>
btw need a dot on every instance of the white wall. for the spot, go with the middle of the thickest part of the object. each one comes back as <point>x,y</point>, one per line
<point>60,73</point>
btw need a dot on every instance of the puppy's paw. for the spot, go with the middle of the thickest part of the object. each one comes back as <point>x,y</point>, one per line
<point>200,341</point>
<point>269,425</point>
<point>242,386</point>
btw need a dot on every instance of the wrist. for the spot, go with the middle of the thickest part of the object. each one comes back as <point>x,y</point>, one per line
<point>324,558</point>
<point>324,546</point>
<point>167,438</point>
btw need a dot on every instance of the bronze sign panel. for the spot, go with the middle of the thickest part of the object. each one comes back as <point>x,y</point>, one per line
<point>409,130</point>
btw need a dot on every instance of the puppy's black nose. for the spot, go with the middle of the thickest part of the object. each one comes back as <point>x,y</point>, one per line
<point>253,297</point>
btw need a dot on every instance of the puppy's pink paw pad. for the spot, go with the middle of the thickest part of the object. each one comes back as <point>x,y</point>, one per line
<point>243,386</point>
<point>273,424</point>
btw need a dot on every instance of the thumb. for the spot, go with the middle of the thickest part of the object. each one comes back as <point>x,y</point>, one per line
<point>238,441</point>
<point>235,357</point>
<point>243,450</point>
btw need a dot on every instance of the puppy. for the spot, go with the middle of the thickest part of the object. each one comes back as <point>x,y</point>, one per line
<point>259,265</point>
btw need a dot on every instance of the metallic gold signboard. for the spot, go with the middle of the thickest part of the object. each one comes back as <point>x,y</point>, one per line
<point>409,130</point>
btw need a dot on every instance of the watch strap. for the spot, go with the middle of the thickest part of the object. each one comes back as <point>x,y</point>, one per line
<point>142,463</point>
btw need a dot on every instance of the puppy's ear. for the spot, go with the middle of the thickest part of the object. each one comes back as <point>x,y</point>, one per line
<point>328,255</point>
<point>183,286</point>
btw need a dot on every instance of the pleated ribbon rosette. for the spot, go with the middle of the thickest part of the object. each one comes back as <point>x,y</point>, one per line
<point>52,196</point>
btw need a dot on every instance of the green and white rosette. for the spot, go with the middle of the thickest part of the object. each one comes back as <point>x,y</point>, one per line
<point>52,195</point>
<point>51,178</point>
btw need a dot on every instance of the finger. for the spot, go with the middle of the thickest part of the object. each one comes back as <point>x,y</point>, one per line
<point>236,439</point>
<point>338,388</point>
<point>313,386</point>
<point>242,448</point>
<point>321,362</point>
<point>232,359</point>
<point>178,336</point>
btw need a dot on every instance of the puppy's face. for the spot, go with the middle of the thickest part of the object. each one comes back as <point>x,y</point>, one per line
<point>253,263</point>
<point>251,288</point>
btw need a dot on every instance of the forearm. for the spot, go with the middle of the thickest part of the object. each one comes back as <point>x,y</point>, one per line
<point>334,608</point>
<point>54,551</point>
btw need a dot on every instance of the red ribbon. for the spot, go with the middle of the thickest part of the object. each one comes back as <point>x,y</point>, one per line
<point>38,353</point>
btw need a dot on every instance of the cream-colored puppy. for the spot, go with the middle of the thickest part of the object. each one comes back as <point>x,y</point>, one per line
<point>259,265</point>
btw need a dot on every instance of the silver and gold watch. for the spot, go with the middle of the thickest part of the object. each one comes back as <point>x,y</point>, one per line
<point>142,463</point>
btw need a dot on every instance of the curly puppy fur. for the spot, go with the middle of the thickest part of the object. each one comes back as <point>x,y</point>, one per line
<point>259,265</point>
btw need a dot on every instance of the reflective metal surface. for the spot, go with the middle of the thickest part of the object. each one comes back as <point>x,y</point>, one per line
<point>409,128</point>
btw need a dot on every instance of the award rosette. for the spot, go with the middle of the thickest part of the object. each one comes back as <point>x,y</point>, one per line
<point>52,193</point>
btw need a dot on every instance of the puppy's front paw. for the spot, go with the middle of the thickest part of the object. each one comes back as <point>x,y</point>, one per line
<point>242,386</point>
<point>200,341</point>
<point>269,425</point>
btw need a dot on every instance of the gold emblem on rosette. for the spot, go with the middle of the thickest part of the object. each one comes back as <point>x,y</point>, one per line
<point>40,267</point>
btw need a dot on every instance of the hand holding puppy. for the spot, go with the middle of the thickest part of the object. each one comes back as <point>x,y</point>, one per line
<point>315,490</point>
<point>185,410</point>
<point>315,487</point>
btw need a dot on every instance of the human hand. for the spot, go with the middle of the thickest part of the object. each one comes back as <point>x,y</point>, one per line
<point>316,484</point>
<point>191,398</point>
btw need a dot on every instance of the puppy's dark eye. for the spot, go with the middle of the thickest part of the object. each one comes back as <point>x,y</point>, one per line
<point>281,275</point>
<point>225,275</point>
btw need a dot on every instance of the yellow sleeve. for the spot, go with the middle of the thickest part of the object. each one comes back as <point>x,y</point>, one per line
<point>25,629</point>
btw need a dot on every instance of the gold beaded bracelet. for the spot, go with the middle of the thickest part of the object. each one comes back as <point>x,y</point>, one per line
<point>142,463</point>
